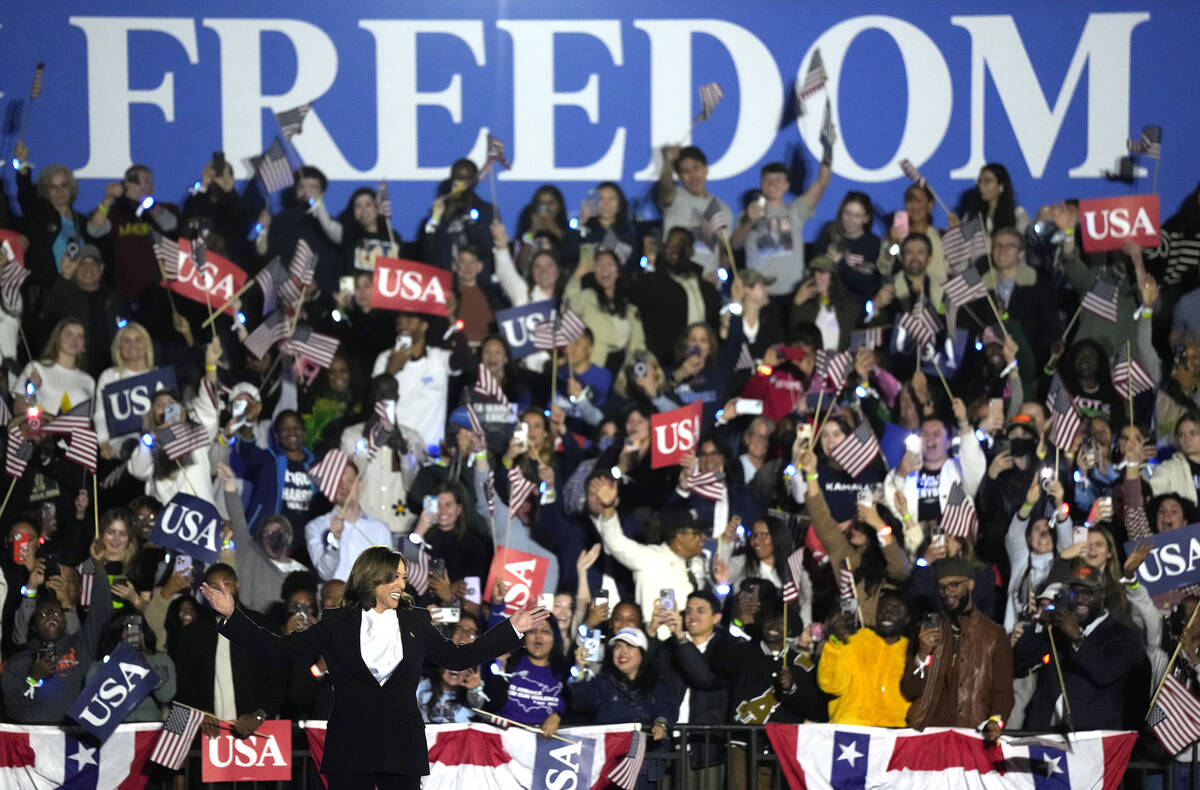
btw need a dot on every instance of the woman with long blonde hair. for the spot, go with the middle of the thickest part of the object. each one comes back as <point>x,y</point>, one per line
<point>132,355</point>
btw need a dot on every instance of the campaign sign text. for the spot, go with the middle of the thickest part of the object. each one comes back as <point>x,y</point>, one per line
<point>1110,222</point>
<point>127,401</point>
<point>525,575</point>
<point>409,287</point>
<point>516,326</point>
<point>266,756</point>
<point>190,526</point>
<point>214,284</point>
<point>123,681</point>
<point>1174,561</point>
<point>563,766</point>
<point>673,434</point>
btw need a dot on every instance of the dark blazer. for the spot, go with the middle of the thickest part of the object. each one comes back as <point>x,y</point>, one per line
<point>372,728</point>
<point>663,305</point>
<point>1095,674</point>
<point>256,684</point>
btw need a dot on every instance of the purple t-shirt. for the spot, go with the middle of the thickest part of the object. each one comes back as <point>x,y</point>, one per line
<point>533,693</point>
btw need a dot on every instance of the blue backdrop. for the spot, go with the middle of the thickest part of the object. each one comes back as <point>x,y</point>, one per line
<point>582,91</point>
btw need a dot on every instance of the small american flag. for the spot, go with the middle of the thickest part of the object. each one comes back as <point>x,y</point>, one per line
<point>382,430</point>
<point>912,173</point>
<point>814,78</point>
<point>35,90</point>
<point>383,200</point>
<point>964,289</point>
<point>707,485</point>
<point>858,450</point>
<point>520,488</point>
<point>418,571</point>
<point>625,773</point>
<point>1101,299</point>
<point>274,169</point>
<point>272,330</point>
<point>745,360</point>
<point>303,266</point>
<point>19,453</point>
<point>269,279</point>
<point>828,133</point>
<point>487,386</point>
<point>495,153</point>
<point>1150,143</point>
<point>12,276</point>
<point>473,418</point>
<point>921,324</point>
<point>182,438</point>
<point>712,224</point>
<point>845,582</point>
<point>791,588</point>
<point>76,418</point>
<point>311,345</point>
<point>836,369</point>
<point>83,448</point>
<point>168,253</point>
<point>87,578</point>
<point>291,122</point>
<point>178,732</point>
<point>562,330</point>
<point>866,338</point>
<point>1065,422</point>
<point>964,244</point>
<point>1175,719</point>
<point>329,471</point>
<point>959,517</point>
<point>1129,378</point>
<point>710,96</point>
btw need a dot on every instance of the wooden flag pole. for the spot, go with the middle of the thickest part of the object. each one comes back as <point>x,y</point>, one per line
<point>1171,663</point>
<point>1063,686</point>
<point>166,285</point>
<point>512,723</point>
<point>96,504</point>
<point>213,316</point>
<point>729,252</point>
<point>11,486</point>
<point>1071,323</point>
<point>1129,382</point>
<point>999,318</point>
<point>492,185</point>
<point>387,222</point>
<point>783,654</point>
<point>942,377</point>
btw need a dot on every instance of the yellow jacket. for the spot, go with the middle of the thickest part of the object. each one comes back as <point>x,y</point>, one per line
<point>863,675</point>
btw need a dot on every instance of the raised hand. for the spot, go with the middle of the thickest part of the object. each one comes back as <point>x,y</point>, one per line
<point>218,599</point>
<point>529,618</point>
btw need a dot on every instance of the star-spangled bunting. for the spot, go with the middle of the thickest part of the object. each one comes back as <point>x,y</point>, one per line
<point>959,517</point>
<point>1175,719</point>
<point>791,588</point>
<point>328,473</point>
<point>858,450</point>
<point>1129,378</point>
<point>291,122</point>
<point>520,488</point>
<point>964,244</point>
<point>560,331</point>
<point>964,289</point>
<point>1101,299</point>
<point>710,96</point>
<point>1150,142</point>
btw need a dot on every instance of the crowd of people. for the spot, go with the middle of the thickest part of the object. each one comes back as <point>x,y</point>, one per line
<point>668,584</point>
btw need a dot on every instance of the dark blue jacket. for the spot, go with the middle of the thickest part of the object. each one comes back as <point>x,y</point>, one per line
<point>262,473</point>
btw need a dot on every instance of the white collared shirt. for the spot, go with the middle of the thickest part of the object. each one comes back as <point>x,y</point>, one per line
<point>380,643</point>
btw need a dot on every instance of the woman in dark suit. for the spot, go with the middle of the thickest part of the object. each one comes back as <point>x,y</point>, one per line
<point>374,646</point>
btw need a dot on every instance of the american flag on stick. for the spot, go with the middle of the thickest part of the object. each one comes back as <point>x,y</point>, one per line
<point>291,122</point>
<point>1150,143</point>
<point>270,279</point>
<point>178,732</point>
<point>866,338</point>
<point>858,450</point>
<point>710,96</point>
<point>828,132</point>
<point>706,484</point>
<point>845,582</point>
<point>1065,421</point>
<point>87,578</point>
<point>520,488</point>
<point>625,773</point>
<point>495,154</point>
<point>814,79</point>
<point>562,330</point>
<point>1175,717</point>
<point>384,425</point>
<point>487,386</point>
<point>182,438</point>
<point>964,244</point>
<point>1101,299</point>
<point>964,289</point>
<point>272,330</point>
<point>921,324</point>
<point>274,169</point>
<point>329,471</point>
<point>35,90</point>
<point>76,418</point>
<point>19,453</point>
<point>418,571</point>
<point>791,588</point>
<point>12,276</point>
<point>167,251</point>
<point>959,517</point>
<point>311,345</point>
<point>836,368</point>
<point>82,442</point>
<point>383,200</point>
<point>1129,378</point>
<point>712,224</point>
<point>912,173</point>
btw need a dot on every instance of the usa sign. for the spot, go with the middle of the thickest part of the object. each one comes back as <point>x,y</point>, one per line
<point>523,573</point>
<point>127,400</point>
<point>1110,222</point>
<point>266,756</point>
<point>1174,561</point>
<point>213,284</point>
<point>674,433</point>
<point>516,326</point>
<point>189,525</point>
<point>409,287</point>
<point>123,680</point>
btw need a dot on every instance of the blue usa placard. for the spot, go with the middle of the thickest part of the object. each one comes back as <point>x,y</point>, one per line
<point>127,401</point>
<point>516,326</point>
<point>122,682</point>
<point>1174,561</point>
<point>189,525</point>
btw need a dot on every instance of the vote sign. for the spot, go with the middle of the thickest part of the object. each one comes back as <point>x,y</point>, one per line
<point>127,401</point>
<point>524,573</point>
<point>213,284</point>
<point>674,433</point>
<point>189,525</point>
<point>1174,561</point>
<point>516,326</point>
<point>409,287</point>
<point>1110,222</point>
<point>266,756</point>
<point>123,681</point>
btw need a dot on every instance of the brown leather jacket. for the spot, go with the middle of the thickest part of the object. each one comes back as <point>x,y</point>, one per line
<point>985,675</point>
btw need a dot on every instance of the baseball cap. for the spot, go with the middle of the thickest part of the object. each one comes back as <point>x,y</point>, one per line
<point>245,388</point>
<point>821,263</point>
<point>631,636</point>
<point>91,251</point>
<point>751,278</point>
<point>1087,577</point>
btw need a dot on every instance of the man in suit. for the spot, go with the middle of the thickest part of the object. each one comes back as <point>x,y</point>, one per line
<point>226,679</point>
<point>675,296</point>
<point>1097,652</point>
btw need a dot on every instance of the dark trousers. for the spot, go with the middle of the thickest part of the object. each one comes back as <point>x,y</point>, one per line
<point>373,781</point>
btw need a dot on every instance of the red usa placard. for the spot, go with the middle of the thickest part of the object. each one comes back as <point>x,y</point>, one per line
<point>674,433</point>
<point>220,278</point>
<point>409,287</point>
<point>524,573</point>
<point>10,247</point>
<point>1110,222</point>
<point>266,756</point>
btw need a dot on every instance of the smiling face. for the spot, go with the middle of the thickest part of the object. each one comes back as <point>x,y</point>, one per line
<point>48,620</point>
<point>699,618</point>
<point>387,595</point>
<point>116,539</point>
<point>188,613</point>
<point>774,186</point>
<point>637,427</point>
<point>933,441</point>
<point>448,510</point>
<point>709,457</point>
<point>544,270</point>
<point>539,642</point>
<point>339,375</point>
<point>698,336</point>
<point>606,271</point>
<point>955,593</point>
<point>693,174</point>
<point>71,340</point>
<point>760,541</point>
<point>291,433</point>
<point>891,617</point>
<point>1096,553</point>
<point>132,349</point>
<point>831,436</point>
<point>468,267</point>
<point>626,658</point>
<point>494,356</point>
<point>1041,539</point>
<point>365,211</point>
<point>918,205</point>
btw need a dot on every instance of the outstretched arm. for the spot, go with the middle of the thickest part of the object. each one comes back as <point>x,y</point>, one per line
<point>301,645</point>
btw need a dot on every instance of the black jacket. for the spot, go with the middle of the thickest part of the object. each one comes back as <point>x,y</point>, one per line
<point>372,728</point>
<point>1095,674</point>
<point>664,306</point>
<point>256,684</point>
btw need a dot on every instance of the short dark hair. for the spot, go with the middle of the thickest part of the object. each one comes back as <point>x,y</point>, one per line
<point>220,567</point>
<point>308,171</point>
<point>706,595</point>
<point>773,167</point>
<point>691,152</point>
<point>917,235</point>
